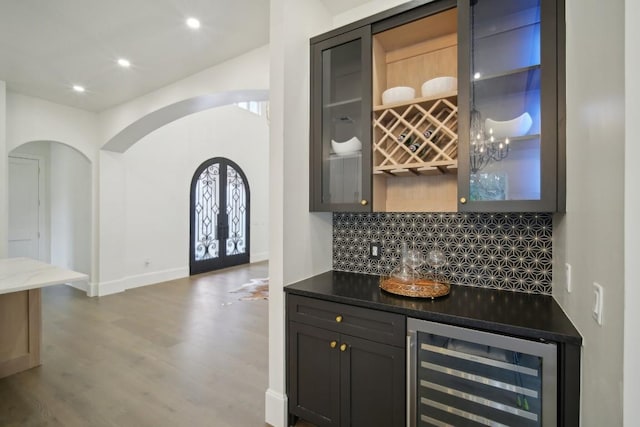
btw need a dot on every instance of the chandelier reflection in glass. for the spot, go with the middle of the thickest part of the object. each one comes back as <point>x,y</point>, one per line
<point>483,147</point>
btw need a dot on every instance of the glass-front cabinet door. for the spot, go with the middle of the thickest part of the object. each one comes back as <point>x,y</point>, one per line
<point>341,123</point>
<point>509,102</point>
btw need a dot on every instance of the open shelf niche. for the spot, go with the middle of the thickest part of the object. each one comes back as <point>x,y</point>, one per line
<point>415,143</point>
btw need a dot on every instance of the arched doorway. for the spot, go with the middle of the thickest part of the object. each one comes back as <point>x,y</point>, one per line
<point>50,205</point>
<point>219,216</point>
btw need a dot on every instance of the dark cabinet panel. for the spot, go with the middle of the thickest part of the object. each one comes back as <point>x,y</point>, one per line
<point>338,379</point>
<point>373,387</point>
<point>387,328</point>
<point>314,374</point>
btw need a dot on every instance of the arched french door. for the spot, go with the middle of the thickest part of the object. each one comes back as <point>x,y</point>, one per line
<point>219,235</point>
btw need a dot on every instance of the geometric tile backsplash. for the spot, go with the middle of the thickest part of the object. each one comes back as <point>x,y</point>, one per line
<point>493,250</point>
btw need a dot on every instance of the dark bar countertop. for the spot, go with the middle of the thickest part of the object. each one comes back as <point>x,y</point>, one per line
<point>517,314</point>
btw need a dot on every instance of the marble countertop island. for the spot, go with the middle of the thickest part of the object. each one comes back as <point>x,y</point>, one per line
<point>21,274</point>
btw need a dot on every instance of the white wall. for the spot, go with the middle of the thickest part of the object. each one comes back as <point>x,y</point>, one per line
<point>4,174</point>
<point>159,169</point>
<point>248,71</point>
<point>70,206</point>
<point>631,224</point>
<point>300,243</point>
<point>590,236</point>
<point>368,8</point>
<point>34,119</point>
<point>121,255</point>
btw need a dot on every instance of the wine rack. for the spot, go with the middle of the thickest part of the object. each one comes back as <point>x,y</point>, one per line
<point>419,137</point>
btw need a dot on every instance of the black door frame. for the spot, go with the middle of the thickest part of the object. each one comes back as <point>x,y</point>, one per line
<point>223,260</point>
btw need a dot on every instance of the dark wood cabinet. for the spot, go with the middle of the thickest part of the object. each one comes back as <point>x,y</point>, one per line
<point>338,376</point>
<point>314,374</point>
<point>373,384</point>
<point>340,131</point>
<point>511,86</point>
<point>495,144</point>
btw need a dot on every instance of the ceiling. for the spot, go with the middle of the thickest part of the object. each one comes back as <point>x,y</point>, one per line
<point>47,46</point>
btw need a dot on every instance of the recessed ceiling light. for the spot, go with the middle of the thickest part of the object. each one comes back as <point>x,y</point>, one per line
<point>78,88</point>
<point>124,63</point>
<point>193,23</point>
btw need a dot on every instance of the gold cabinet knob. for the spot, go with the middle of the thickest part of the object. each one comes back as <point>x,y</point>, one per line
<point>338,319</point>
<point>363,202</point>
<point>333,344</point>
<point>343,347</point>
<point>463,200</point>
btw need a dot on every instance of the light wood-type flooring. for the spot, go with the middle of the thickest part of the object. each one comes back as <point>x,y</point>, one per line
<point>180,353</point>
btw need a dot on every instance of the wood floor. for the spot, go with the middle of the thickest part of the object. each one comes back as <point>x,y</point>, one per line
<point>181,353</point>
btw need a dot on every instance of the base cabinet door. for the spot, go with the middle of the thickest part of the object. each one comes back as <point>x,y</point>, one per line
<point>372,384</point>
<point>341,380</point>
<point>314,374</point>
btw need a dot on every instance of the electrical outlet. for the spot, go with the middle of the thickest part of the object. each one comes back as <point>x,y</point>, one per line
<point>567,276</point>
<point>598,303</point>
<point>375,250</point>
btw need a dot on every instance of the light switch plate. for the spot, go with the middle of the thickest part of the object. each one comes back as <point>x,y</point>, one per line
<point>567,276</point>
<point>374,250</point>
<point>598,297</point>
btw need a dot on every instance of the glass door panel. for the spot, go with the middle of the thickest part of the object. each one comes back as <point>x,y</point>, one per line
<point>509,98</point>
<point>464,383</point>
<point>341,121</point>
<point>505,151</point>
<point>465,377</point>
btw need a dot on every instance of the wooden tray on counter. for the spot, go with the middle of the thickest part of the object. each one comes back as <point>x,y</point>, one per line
<point>421,288</point>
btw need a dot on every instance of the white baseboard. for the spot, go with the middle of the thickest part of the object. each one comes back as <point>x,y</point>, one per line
<point>275,412</point>
<point>111,287</point>
<point>130,282</point>
<point>260,256</point>
<point>82,285</point>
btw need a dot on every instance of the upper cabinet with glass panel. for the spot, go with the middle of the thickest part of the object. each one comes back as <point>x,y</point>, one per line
<point>473,118</point>
<point>509,140</point>
<point>340,123</point>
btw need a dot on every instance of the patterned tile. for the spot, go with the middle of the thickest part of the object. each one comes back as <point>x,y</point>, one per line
<point>509,251</point>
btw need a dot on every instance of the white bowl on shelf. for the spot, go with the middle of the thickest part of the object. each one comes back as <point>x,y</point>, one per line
<point>438,86</point>
<point>398,94</point>
<point>349,146</point>
<point>509,128</point>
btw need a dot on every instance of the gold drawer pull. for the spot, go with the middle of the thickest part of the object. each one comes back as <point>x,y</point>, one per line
<point>363,202</point>
<point>333,344</point>
<point>338,319</point>
<point>343,347</point>
<point>463,200</point>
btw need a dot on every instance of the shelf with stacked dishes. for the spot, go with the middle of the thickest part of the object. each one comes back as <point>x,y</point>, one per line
<point>416,137</point>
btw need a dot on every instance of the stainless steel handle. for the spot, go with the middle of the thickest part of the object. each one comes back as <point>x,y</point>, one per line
<point>412,375</point>
<point>408,382</point>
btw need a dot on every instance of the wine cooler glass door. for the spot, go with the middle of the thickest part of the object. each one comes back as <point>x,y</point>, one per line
<point>464,377</point>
